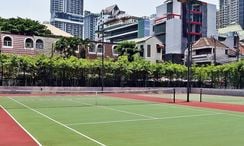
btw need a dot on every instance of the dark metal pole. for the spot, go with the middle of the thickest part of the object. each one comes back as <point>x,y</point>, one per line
<point>102,70</point>
<point>214,51</point>
<point>200,95</point>
<point>189,51</point>
<point>174,95</point>
<point>237,46</point>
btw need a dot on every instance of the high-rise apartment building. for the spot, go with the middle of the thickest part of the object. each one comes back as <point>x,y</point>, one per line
<point>90,21</point>
<point>171,26</point>
<point>231,11</point>
<point>241,13</point>
<point>68,16</point>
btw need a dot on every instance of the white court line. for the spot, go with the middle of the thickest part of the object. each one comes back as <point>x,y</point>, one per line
<point>21,126</point>
<point>127,112</point>
<point>59,123</point>
<point>136,120</point>
<point>121,111</point>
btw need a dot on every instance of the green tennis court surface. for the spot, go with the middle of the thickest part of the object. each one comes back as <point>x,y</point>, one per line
<point>90,120</point>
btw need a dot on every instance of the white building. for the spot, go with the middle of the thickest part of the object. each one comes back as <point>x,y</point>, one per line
<point>151,48</point>
<point>171,25</point>
<point>211,51</point>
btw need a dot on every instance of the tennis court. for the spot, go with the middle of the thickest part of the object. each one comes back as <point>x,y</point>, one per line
<point>109,120</point>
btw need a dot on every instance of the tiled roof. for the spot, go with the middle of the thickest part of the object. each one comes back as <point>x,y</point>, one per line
<point>109,9</point>
<point>138,40</point>
<point>56,31</point>
<point>232,28</point>
<point>211,42</point>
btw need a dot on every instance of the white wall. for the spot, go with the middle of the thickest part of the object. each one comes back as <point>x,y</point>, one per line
<point>153,41</point>
<point>161,10</point>
<point>176,7</point>
<point>174,36</point>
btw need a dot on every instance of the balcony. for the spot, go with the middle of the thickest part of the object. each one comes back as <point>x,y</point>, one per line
<point>202,58</point>
<point>196,12</point>
<point>194,33</point>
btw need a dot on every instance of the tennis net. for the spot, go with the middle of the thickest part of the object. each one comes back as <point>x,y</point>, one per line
<point>59,99</point>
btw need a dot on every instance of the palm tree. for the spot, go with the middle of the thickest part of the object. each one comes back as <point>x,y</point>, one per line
<point>128,48</point>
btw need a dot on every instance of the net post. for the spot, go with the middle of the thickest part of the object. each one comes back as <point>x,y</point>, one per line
<point>174,95</point>
<point>96,98</point>
<point>200,95</point>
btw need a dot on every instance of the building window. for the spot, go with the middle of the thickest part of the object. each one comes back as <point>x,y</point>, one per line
<point>115,51</point>
<point>92,49</point>
<point>158,48</point>
<point>7,41</point>
<point>29,43</point>
<point>39,44</point>
<point>141,50</point>
<point>148,50</point>
<point>226,52</point>
<point>99,49</point>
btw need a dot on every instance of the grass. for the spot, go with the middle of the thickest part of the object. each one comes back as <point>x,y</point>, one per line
<point>61,121</point>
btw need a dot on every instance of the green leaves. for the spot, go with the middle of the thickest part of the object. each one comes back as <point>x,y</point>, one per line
<point>42,67</point>
<point>23,27</point>
<point>71,47</point>
<point>127,48</point>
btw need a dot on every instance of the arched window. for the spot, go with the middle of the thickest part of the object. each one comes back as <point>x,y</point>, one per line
<point>92,48</point>
<point>100,48</point>
<point>29,43</point>
<point>7,41</point>
<point>114,50</point>
<point>39,44</point>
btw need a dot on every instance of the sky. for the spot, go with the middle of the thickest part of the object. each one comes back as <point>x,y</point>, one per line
<point>40,9</point>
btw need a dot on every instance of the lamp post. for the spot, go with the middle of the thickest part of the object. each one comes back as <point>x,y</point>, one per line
<point>189,46</point>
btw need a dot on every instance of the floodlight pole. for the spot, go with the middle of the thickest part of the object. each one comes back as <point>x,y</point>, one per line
<point>189,46</point>
<point>102,69</point>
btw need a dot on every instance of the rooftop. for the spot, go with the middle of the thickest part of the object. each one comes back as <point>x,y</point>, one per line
<point>211,42</point>
<point>56,31</point>
<point>232,28</point>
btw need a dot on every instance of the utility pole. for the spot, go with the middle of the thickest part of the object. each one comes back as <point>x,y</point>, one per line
<point>189,46</point>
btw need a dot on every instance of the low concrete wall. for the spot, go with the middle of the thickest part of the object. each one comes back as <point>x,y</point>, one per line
<point>230,92</point>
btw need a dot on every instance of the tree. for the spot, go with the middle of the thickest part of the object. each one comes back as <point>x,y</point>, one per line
<point>24,27</point>
<point>128,48</point>
<point>72,46</point>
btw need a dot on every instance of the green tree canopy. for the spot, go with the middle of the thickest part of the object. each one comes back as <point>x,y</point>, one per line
<point>23,27</point>
<point>128,48</point>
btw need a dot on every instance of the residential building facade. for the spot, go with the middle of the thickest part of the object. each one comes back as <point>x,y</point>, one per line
<point>36,45</point>
<point>151,48</point>
<point>68,16</point>
<point>26,45</point>
<point>211,51</point>
<point>171,26</point>
<point>231,11</point>
<point>90,22</point>
<point>117,26</point>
